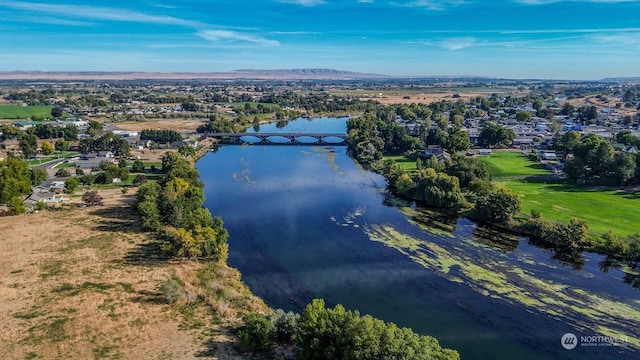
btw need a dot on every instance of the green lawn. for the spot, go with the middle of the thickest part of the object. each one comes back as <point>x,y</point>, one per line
<point>407,164</point>
<point>603,210</point>
<point>24,112</point>
<point>509,164</point>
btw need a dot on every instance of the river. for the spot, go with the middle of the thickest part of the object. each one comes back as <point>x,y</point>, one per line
<point>307,222</point>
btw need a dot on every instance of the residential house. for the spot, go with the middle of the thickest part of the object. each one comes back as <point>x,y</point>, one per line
<point>437,151</point>
<point>46,198</point>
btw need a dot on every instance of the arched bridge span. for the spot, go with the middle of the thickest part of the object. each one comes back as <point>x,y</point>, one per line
<point>293,138</point>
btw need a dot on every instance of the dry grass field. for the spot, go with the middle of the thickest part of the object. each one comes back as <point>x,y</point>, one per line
<point>180,125</point>
<point>426,98</point>
<point>84,283</point>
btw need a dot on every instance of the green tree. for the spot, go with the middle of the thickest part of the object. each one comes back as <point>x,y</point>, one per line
<point>623,167</point>
<point>37,176</point>
<point>335,333</point>
<point>47,149</point>
<point>56,112</point>
<point>494,135</point>
<point>596,154</point>
<point>88,179</point>
<point>138,166</point>
<point>28,144</point>
<point>523,116</point>
<point>457,140</point>
<point>63,172</point>
<point>186,150</point>
<point>95,128</point>
<point>70,185</point>
<point>468,169</point>
<point>626,137</point>
<point>61,145</point>
<point>437,189</point>
<point>575,168</point>
<point>15,183</point>
<point>567,109</point>
<point>570,140</point>
<point>499,205</point>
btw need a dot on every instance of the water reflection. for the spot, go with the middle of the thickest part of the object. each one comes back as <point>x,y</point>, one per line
<point>631,270</point>
<point>305,221</point>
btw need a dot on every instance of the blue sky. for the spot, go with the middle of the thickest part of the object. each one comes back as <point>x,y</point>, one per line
<point>552,39</point>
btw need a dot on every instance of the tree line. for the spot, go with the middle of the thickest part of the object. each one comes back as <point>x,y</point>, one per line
<point>173,208</point>
<point>594,161</point>
<point>160,136</point>
<point>336,333</point>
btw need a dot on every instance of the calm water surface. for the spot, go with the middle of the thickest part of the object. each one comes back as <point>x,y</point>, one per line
<point>306,222</point>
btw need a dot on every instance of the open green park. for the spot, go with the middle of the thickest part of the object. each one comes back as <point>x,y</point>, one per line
<point>24,112</point>
<point>603,209</point>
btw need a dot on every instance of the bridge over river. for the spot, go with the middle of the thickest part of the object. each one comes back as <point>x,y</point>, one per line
<point>281,138</point>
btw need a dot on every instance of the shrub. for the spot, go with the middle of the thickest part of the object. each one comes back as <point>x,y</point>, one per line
<point>257,334</point>
<point>173,290</point>
<point>284,324</point>
<point>92,198</point>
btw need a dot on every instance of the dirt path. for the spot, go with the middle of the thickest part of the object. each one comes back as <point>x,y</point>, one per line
<point>83,283</point>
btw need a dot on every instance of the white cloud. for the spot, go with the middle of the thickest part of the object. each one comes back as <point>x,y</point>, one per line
<point>100,13</point>
<point>303,2</point>
<point>623,39</point>
<point>234,36</point>
<point>437,5</point>
<point>75,12</point>
<point>457,43</point>
<point>543,2</point>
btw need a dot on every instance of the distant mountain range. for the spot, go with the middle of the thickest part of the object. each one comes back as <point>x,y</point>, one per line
<point>248,74</point>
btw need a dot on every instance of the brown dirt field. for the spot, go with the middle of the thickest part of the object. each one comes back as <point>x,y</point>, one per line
<point>429,98</point>
<point>592,100</point>
<point>156,155</point>
<point>164,124</point>
<point>82,283</point>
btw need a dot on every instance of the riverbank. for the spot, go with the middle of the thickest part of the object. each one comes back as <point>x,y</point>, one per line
<point>84,283</point>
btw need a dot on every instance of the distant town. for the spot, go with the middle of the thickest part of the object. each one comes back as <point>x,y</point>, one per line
<point>65,116</point>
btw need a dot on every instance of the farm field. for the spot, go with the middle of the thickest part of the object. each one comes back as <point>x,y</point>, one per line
<point>601,209</point>
<point>24,112</point>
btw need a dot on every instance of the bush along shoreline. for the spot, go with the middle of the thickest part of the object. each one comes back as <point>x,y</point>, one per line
<point>335,333</point>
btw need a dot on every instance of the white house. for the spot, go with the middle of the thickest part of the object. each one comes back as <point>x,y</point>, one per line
<point>548,156</point>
